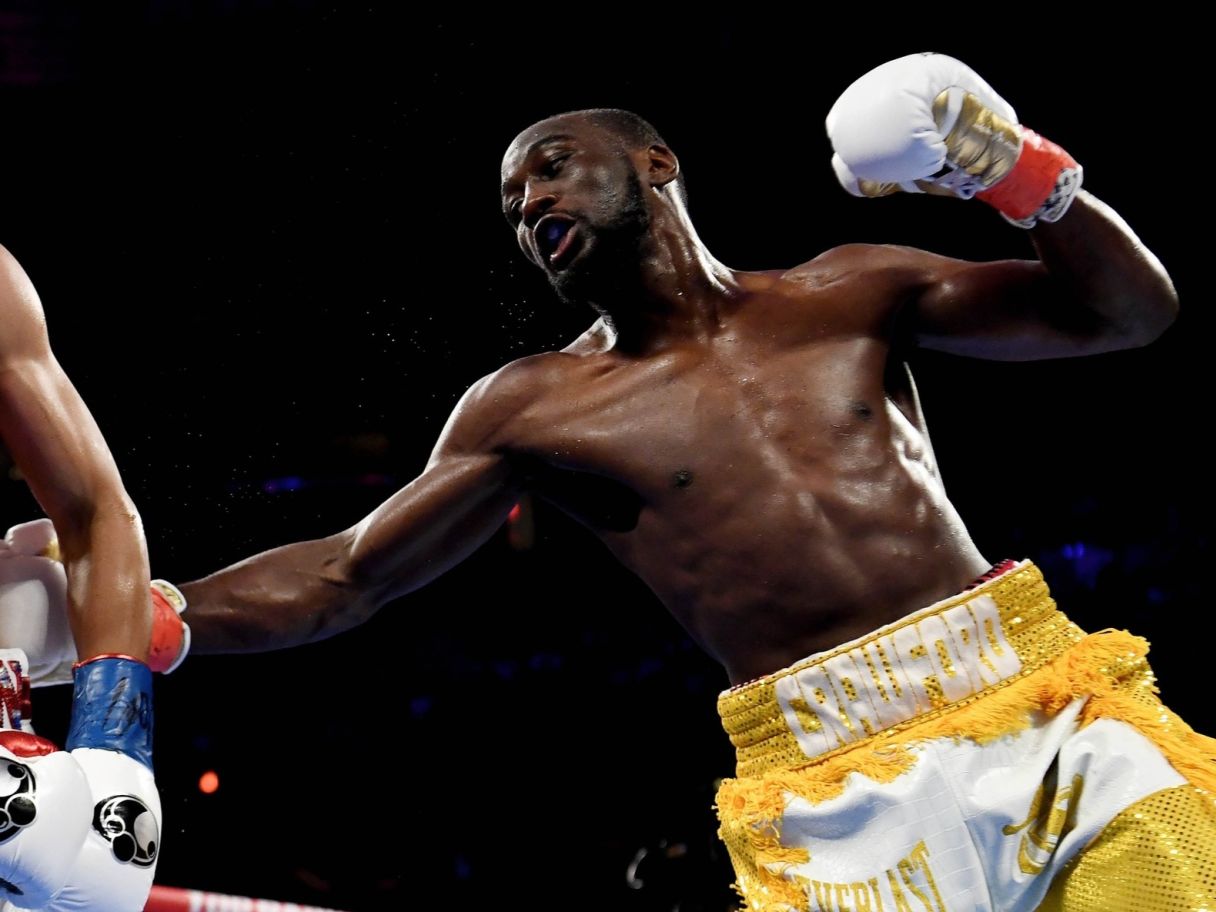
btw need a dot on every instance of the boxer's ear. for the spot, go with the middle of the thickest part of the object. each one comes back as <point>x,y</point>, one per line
<point>662,166</point>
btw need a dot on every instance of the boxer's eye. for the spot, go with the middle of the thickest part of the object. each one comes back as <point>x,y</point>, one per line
<point>553,166</point>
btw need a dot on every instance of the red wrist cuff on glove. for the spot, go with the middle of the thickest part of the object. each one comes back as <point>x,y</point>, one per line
<point>26,744</point>
<point>1032,182</point>
<point>168,631</point>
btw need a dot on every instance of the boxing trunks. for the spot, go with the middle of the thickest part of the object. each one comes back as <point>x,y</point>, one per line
<point>983,753</point>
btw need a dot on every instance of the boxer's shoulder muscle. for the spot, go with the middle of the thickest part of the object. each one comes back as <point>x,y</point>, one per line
<point>883,267</point>
<point>860,285</point>
<point>487,418</point>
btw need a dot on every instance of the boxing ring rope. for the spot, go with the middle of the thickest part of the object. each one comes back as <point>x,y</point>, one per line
<point>173,899</point>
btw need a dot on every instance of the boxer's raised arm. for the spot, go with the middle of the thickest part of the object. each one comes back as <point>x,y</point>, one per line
<point>311,590</point>
<point>1095,288</point>
<point>60,451</point>
<point>929,123</point>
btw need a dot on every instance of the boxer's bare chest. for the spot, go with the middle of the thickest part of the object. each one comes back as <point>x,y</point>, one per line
<point>789,390</point>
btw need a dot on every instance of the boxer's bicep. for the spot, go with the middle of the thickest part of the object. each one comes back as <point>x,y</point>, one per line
<point>1003,310</point>
<point>433,523</point>
<point>54,440</point>
<point>1094,288</point>
<point>44,423</point>
<point>468,487</point>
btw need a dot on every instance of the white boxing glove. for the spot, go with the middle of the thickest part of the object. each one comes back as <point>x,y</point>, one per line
<point>45,802</point>
<point>79,829</point>
<point>117,860</point>
<point>45,811</point>
<point>33,608</point>
<point>110,741</point>
<point>929,123</point>
<point>33,602</point>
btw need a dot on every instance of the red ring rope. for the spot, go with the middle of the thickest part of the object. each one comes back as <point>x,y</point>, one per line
<point>172,899</point>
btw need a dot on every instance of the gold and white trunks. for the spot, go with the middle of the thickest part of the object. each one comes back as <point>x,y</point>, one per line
<point>983,753</point>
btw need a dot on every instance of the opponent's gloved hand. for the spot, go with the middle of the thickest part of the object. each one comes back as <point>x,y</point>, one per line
<point>110,739</point>
<point>170,634</point>
<point>33,602</point>
<point>45,803</point>
<point>927,123</point>
<point>33,608</point>
<point>45,811</point>
<point>80,829</point>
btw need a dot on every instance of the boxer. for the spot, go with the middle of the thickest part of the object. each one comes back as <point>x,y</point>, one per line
<point>79,827</point>
<point>916,728</point>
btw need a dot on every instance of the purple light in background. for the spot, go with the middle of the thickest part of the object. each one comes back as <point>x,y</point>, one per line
<point>286,483</point>
<point>297,482</point>
<point>1087,561</point>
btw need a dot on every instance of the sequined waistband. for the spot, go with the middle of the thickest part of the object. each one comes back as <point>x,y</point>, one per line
<point>923,664</point>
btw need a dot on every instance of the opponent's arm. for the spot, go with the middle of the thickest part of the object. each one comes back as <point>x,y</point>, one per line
<point>311,590</point>
<point>928,123</point>
<point>87,835</point>
<point>60,451</point>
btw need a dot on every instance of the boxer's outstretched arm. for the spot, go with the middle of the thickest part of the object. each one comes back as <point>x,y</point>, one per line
<point>1094,288</point>
<point>60,451</point>
<point>314,589</point>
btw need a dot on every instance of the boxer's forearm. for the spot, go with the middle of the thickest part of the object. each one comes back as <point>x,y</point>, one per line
<point>107,571</point>
<point>1103,267</point>
<point>312,590</point>
<point>291,595</point>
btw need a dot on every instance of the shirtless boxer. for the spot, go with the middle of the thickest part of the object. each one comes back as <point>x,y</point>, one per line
<point>751,445</point>
<point>79,828</point>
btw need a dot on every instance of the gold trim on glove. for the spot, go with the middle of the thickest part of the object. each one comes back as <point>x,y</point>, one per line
<point>980,142</point>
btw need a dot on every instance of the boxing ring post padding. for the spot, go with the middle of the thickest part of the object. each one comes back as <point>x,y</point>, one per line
<point>173,899</point>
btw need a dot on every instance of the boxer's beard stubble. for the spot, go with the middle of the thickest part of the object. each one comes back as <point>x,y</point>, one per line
<point>609,270</point>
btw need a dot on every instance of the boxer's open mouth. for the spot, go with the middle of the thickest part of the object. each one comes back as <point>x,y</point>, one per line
<point>555,238</point>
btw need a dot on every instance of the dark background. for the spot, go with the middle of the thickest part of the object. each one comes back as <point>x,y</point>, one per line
<point>267,239</point>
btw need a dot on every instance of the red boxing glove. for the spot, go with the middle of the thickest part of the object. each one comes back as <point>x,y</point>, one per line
<point>170,634</point>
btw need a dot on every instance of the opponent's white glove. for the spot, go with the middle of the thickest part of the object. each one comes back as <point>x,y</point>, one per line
<point>45,811</point>
<point>111,740</point>
<point>45,804</point>
<point>81,829</point>
<point>33,602</point>
<point>33,608</point>
<point>929,123</point>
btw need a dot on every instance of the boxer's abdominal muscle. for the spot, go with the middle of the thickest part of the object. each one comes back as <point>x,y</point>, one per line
<point>779,499</point>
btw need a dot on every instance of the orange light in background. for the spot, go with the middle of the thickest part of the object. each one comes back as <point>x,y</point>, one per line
<point>209,782</point>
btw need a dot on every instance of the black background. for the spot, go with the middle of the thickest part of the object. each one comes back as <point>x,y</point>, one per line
<point>267,239</point>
